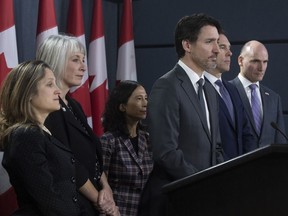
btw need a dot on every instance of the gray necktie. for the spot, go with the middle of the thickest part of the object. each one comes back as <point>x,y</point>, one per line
<point>256,107</point>
<point>201,98</point>
<point>226,98</point>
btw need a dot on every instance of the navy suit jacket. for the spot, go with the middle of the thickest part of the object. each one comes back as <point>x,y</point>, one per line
<point>237,137</point>
<point>272,112</point>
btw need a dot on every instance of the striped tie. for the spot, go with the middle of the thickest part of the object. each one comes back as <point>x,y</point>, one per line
<point>256,107</point>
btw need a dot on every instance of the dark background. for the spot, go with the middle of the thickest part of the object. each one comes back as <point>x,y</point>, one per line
<point>154,23</point>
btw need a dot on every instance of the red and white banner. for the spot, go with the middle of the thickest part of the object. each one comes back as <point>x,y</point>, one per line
<point>47,24</point>
<point>8,60</point>
<point>126,65</point>
<point>97,68</point>
<point>75,26</point>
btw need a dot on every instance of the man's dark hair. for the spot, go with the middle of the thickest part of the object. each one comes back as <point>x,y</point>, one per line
<point>188,28</point>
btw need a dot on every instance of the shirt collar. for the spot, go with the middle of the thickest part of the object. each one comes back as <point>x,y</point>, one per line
<point>212,79</point>
<point>245,82</point>
<point>193,76</point>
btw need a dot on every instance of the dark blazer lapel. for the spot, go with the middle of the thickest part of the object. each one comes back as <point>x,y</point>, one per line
<point>245,101</point>
<point>72,121</point>
<point>223,105</point>
<point>192,95</point>
<point>70,118</point>
<point>212,102</point>
<point>265,105</point>
<point>60,144</point>
<point>224,108</point>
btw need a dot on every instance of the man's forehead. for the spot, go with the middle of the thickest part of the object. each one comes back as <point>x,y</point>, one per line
<point>208,32</point>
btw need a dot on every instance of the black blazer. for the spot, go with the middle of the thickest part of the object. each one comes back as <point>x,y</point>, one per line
<point>42,172</point>
<point>77,134</point>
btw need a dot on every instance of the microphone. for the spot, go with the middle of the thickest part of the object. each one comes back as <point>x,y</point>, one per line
<point>275,126</point>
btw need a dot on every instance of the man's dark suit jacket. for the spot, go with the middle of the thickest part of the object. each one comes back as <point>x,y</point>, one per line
<point>181,142</point>
<point>42,172</point>
<point>272,112</point>
<point>236,138</point>
<point>81,139</point>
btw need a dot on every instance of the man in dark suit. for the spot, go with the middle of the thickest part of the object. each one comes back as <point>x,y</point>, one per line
<point>264,106</point>
<point>235,131</point>
<point>184,136</point>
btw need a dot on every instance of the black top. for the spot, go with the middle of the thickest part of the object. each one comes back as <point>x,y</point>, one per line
<point>134,141</point>
<point>72,129</point>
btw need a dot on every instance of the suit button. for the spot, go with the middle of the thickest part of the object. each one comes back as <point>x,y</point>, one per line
<point>72,160</point>
<point>75,199</point>
<point>73,180</point>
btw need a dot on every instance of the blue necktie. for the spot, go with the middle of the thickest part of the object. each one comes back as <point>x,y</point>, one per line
<point>256,107</point>
<point>226,98</point>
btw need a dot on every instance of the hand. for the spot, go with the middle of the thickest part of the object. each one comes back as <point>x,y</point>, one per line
<point>113,211</point>
<point>105,201</point>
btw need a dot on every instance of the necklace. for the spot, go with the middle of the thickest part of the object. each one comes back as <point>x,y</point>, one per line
<point>46,129</point>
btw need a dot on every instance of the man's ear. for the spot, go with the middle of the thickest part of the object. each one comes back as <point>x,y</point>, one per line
<point>240,60</point>
<point>186,45</point>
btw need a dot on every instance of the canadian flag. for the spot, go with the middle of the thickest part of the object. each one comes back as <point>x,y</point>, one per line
<point>47,24</point>
<point>126,65</point>
<point>75,27</point>
<point>97,68</point>
<point>8,60</point>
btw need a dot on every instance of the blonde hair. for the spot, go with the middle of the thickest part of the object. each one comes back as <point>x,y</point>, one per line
<point>16,90</point>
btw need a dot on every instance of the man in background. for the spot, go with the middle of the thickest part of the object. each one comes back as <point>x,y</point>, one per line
<point>262,105</point>
<point>236,134</point>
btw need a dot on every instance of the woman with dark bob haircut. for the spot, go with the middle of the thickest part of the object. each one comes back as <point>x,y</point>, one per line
<point>127,160</point>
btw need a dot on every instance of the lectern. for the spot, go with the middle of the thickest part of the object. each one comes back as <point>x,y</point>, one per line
<point>253,184</point>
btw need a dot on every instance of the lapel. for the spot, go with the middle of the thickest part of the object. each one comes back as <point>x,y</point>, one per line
<point>59,144</point>
<point>70,118</point>
<point>265,105</point>
<point>245,101</point>
<point>129,146</point>
<point>192,95</point>
<point>224,109</point>
<point>223,106</point>
<point>213,106</point>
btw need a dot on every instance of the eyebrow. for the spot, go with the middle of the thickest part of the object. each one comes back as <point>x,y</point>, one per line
<point>51,78</point>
